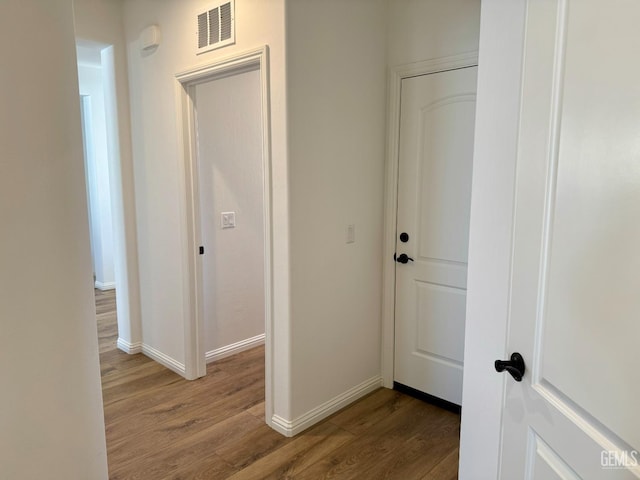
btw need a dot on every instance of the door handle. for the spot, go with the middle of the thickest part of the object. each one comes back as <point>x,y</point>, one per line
<point>402,258</point>
<point>515,366</point>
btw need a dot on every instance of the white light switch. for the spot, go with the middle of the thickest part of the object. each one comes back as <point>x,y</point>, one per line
<point>351,233</point>
<point>228,219</point>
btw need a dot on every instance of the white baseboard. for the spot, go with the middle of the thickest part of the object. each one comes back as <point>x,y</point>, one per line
<point>152,353</point>
<point>130,348</point>
<point>164,360</point>
<point>234,348</point>
<point>291,428</point>
<point>105,285</point>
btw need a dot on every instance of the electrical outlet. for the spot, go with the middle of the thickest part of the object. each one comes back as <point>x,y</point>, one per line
<point>228,219</point>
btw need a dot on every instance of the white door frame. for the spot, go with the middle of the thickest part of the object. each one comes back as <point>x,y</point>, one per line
<point>396,75</point>
<point>195,362</point>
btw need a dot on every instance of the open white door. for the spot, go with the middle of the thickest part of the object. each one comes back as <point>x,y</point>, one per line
<point>574,306</point>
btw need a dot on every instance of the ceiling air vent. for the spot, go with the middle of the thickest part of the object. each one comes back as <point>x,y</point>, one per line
<point>216,27</point>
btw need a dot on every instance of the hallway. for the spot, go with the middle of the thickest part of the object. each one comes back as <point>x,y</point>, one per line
<point>160,426</point>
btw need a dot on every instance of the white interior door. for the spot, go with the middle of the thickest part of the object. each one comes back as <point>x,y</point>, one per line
<point>434,194</point>
<point>575,302</point>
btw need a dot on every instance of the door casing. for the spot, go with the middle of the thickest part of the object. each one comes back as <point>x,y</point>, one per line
<point>396,75</point>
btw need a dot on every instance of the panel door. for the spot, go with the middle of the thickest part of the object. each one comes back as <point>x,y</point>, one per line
<point>575,302</point>
<point>434,192</point>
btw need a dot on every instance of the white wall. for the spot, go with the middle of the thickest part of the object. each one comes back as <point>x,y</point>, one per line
<point>229,131</point>
<point>159,169</point>
<point>99,24</point>
<point>336,99</point>
<point>51,419</point>
<point>426,29</point>
<point>90,79</point>
<point>331,105</point>
<point>336,94</point>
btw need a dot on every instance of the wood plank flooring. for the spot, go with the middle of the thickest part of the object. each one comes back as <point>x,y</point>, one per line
<point>160,426</point>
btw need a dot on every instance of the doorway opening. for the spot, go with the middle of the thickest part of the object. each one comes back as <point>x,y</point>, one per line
<point>229,163</point>
<point>96,78</point>
<point>94,136</point>
<point>226,137</point>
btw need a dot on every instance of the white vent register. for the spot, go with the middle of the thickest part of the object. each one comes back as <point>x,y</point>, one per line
<point>216,27</point>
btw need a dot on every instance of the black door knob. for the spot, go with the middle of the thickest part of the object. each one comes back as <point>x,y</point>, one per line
<point>403,258</point>
<point>515,366</point>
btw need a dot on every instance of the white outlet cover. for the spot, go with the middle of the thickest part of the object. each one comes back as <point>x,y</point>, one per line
<point>228,219</point>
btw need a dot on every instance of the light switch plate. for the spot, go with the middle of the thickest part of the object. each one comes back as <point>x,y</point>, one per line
<point>351,233</point>
<point>228,219</point>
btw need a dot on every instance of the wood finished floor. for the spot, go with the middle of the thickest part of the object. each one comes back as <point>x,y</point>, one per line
<point>160,426</point>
